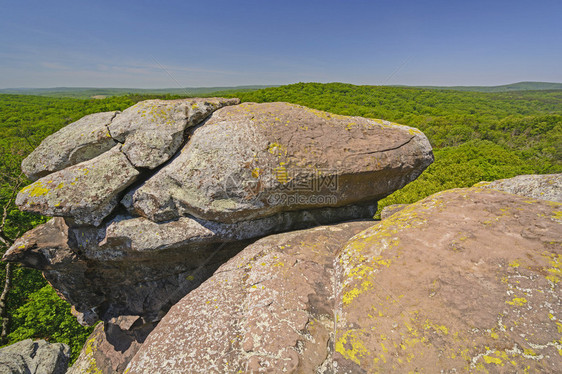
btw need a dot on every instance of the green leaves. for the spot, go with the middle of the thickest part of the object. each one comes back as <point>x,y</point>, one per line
<point>47,316</point>
<point>462,166</point>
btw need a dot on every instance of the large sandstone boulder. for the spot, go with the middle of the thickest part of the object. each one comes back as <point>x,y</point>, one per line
<point>142,224</point>
<point>254,160</point>
<point>107,262</point>
<point>80,141</point>
<point>34,357</point>
<point>464,280</point>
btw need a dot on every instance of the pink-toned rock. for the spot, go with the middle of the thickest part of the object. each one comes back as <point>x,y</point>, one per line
<point>269,308</point>
<point>111,346</point>
<point>464,280</point>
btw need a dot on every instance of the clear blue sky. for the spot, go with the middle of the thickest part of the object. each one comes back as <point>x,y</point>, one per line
<point>240,42</point>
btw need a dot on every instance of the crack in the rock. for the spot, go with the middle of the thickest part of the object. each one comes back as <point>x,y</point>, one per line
<point>109,124</point>
<point>386,149</point>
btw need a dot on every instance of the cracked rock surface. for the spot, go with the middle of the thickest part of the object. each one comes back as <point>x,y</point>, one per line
<point>153,130</point>
<point>254,160</point>
<point>87,192</point>
<point>80,141</point>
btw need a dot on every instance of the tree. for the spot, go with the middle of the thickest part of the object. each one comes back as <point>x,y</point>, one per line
<point>6,241</point>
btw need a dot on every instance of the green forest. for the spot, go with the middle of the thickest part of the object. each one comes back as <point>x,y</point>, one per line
<point>476,136</point>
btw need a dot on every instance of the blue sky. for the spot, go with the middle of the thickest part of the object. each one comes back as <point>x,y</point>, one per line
<point>154,44</point>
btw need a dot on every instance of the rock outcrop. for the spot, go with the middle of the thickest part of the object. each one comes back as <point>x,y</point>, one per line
<point>185,185</point>
<point>109,262</point>
<point>245,220</point>
<point>269,308</point>
<point>34,357</point>
<point>544,187</point>
<point>464,280</point>
<point>87,192</point>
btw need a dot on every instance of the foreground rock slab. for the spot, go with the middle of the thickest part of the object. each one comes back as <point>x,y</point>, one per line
<point>80,141</point>
<point>464,280</point>
<point>86,192</point>
<point>269,308</point>
<point>254,160</point>
<point>34,357</point>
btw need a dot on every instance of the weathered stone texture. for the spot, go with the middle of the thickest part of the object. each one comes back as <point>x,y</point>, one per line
<point>254,160</point>
<point>465,280</point>
<point>192,182</point>
<point>544,187</point>
<point>80,141</point>
<point>111,346</point>
<point>86,192</point>
<point>34,357</point>
<point>270,308</point>
<point>153,130</point>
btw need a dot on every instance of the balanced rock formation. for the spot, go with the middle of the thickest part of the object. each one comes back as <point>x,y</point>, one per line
<point>182,187</point>
<point>464,280</point>
<point>34,357</point>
